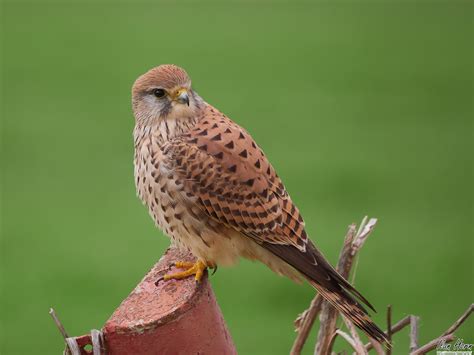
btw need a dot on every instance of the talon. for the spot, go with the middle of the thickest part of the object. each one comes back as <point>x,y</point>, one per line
<point>214,270</point>
<point>163,277</point>
<point>196,269</point>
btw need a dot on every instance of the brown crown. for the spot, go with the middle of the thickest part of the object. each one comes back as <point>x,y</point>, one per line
<point>166,76</point>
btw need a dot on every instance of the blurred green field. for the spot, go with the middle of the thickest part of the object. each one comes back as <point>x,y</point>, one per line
<point>362,107</point>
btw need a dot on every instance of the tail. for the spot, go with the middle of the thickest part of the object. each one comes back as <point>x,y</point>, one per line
<point>352,310</point>
<point>331,285</point>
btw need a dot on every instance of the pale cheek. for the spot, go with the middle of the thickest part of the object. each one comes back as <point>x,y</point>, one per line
<point>151,106</point>
<point>180,110</point>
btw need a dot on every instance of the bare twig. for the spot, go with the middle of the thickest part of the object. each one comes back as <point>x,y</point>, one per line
<point>413,321</point>
<point>433,344</point>
<point>352,244</point>
<point>346,255</point>
<point>377,346</point>
<point>389,328</point>
<point>364,233</point>
<point>58,323</point>
<point>327,319</point>
<point>447,336</point>
<point>304,323</point>
<point>396,328</point>
<point>347,338</point>
<point>333,340</point>
<point>359,345</point>
<point>460,321</point>
<point>359,240</point>
<point>401,324</point>
<point>362,225</point>
<point>329,314</point>
<point>71,344</point>
<point>354,240</point>
<point>413,333</point>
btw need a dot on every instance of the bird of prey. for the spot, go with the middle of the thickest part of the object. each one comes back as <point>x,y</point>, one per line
<point>211,189</point>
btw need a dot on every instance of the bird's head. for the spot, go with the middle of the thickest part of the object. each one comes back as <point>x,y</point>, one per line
<point>164,92</point>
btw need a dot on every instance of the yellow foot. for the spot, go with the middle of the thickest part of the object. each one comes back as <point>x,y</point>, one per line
<point>196,269</point>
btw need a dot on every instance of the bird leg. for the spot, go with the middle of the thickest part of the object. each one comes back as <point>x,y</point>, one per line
<point>196,269</point>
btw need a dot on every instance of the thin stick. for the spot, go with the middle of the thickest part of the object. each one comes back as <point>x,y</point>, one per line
<point>328,315</point>
<point>460,321</point>
<point>364,234</point>
<point>346,255</point>
<point>433,344</point>
<point>327,320</point>
<point>347,338</point>
<point>353,241</point>
<point>58,323</point>
<point>360,348</point>
<point>361,226</point>
<point>389,328</point>
<point>71,343</point>
<point>396,328</point>
<point>352,244</point>
<point>413,333</point>
<point>304,323</point>
<point>333,340</point>
<point>377,347</point>
<point>447,336</point>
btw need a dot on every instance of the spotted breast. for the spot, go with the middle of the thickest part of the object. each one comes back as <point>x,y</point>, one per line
<point>209,200</point>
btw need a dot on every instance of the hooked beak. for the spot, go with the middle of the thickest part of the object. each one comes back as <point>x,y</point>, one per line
<point>182,96</point>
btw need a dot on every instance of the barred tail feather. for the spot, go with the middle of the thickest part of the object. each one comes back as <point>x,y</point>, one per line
<point>351,309</point>
<point>330,284</point>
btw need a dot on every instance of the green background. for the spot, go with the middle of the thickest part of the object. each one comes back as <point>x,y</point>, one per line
<point>362,107</point>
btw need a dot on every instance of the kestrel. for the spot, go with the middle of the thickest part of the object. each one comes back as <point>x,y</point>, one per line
<point>211,189</point>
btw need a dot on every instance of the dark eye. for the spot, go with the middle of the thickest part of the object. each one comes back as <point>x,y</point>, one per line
<point>159,92</point>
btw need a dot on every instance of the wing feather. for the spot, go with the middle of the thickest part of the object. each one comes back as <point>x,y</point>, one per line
<point>221,165</point>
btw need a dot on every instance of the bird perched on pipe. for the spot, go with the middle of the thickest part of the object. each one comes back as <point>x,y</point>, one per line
<point>211,189</point>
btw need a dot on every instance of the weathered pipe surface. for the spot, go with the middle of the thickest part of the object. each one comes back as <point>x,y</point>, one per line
<point>172,317</point>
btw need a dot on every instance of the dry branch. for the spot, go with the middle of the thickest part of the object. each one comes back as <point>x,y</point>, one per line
<point>328,315</point>
<point>377,347</point>
<point>433,344</point>
<point>71,344</point>
<point>58,323</point>
<point>396,328</point>
<point>352,244</point>
<point>359,345</point>
<point>460,321</point>
<point>414,333</point>
<point>305,322</point>
<point>389,327</point>
<point>447,336</point>
<point>353,241</point>
<point>347,338</point>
